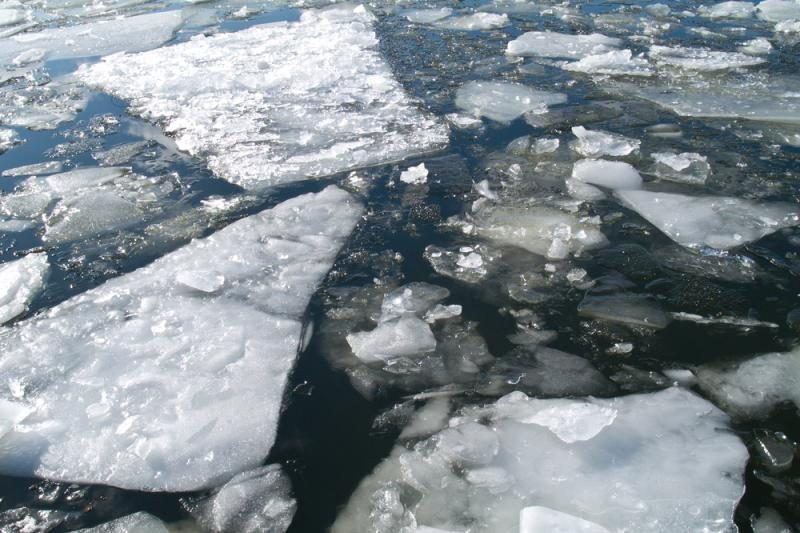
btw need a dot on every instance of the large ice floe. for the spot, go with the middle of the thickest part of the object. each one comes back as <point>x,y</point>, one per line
<point>575,465</point>
<point>710,221</point>
<point>171,377</point>
<point>278,102</point>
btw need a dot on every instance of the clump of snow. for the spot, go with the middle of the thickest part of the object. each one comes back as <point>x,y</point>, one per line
<point>21,281</point>
<point>585,461</point>
<point>597,143</point>
<point>279,102</point>
<point>503,101</point>
<point>561,45</point>
<point>148,384</point>
<point>710,221</point>
<point>535,519</point>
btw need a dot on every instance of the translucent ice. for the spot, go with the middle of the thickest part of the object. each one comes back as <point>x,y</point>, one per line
<point>596,143</point>
<point>611,174</point>
<point>279,102</point>
<point>613,63</point>
<point>686,167</point>
<point>140,522</point>
<point>702,59</point>
<point>732,9</point>
<point>561,45</point>
<point>502,101</point>
<point>714,221</point>
<point>594,460</point>
<point>402,337</point>
<point>149,384</point>
<point>21,281</point>
<point>475,21</point>
<point>537,519</point>
<point>778,10</point>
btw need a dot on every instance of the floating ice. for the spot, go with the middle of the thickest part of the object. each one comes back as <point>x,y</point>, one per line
<point>702,59</point>
<point>541,230</point>
<point>611,174</point>
<point>427,16</point>
<point>411,299</point>
<point>145,383</point>
<point>624,308</point>
<point>21,281</point>
<point>751,389</point>
<point>36,169</point>
<point>594,460</point>
<point>415,175</point>
<point>8,138</point>
<point>561,45</point>
<point>613,63</point>
<point>476,21</point>
<point>778,10</point>
<point>715,221</point>
<point>402,337</point>
<point>140,522</point>
<point>758,46</point>
<point>735,10</point>
<point>596,143</point>
<point>279,102</point>
<point>686,167</point>
<point>428,420</point>
<point>257,501</point>
<point>504,102</point>
<point>538,519</point>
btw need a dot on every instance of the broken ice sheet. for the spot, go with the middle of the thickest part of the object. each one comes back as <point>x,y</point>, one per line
<point>613,63</point>
<point>719,222</point>
<point>278,102</point>
<point>686,167</point>
<point>702,59</point>
<point>561,45</point>
<point>592,459</point>
<point>135,383</point>
<point>21,280</point>
<point>596,143</point>
<point>504,101</point>
<point>140,522</point>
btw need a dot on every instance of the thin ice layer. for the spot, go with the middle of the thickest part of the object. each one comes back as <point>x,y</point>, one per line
<point>159,380</point>
<point>504,102</point>
<point>720,222</point>
<point>279,102</point>
<point>595,460</point>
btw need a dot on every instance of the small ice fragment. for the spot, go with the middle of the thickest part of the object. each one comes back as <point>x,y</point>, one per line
<point>36,169</point>
<point>442,312</point>
<point>415,175</point>
<point>758,46</point>
<point>612,174</point>
<point>596,143</point>
<point>504,101</point>
<point>407,336</point>
<point>561,45</point>
<point>476,21</point>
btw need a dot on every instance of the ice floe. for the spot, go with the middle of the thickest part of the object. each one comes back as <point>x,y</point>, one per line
<point>596,143</point>
<point>152,384</point>
<point>610,174</point>
<point>140,522</point>
<point>503,101</point>
<point>702,59</point>
<point>21,280</point>
<point>612,63</point>
<point>561,45</point>
<point>686,167</point>
<point>585,461</point>
<point>710,221</point>
<point>475,21</point>
<point>279,102</point>
<point>732,9</point>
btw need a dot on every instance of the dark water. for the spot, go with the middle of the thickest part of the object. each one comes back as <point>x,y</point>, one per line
<point>327,439</point>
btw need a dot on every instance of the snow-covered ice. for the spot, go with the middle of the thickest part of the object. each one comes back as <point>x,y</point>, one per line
<point>136,383</point>
<point>713,221</point>
<point>504,101</point>
<point>278,102</point>
<point>594,460</point>
<point>21,280</point>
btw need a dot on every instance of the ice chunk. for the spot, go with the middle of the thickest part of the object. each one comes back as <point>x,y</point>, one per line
<point>25,520</point>
<point>624,308</point>
<point>702,59</point>
<point>279,102</point>
<point>257,501</point>
<point>407,336</point>
<point>415,175</point>
<point>504,102</point>
<point>21,281</point>
<point>8,138</point>
<point>715,221</point>
<point>751,389</point>
<point>686,167</point>
<point>596,143</point>
<point>733,9</point>
<point>131,34</point>
<point>778,10</point>
<point>11,16</point>
<point>136,383</point>
<point>36,169</point>
<point>444,482</point>
<point>611,174</point>
<point>475,21</point>
<point>541,230</point>
<point>140,522</point>
<point>538,519</point>
<point>428,420</point>
<point>427,16</point>
<point>758,46</point>
<point>613,63</point>
<point>412,299</point>
<point>561,45</point>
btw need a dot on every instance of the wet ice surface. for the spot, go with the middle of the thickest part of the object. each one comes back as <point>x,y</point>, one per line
<point>615,214</point>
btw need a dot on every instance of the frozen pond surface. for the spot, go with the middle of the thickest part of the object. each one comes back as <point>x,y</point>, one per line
<point>399,267</point>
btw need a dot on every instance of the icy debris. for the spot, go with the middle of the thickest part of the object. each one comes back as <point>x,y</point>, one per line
<point>27,520</point>
<point>427,16</point>
<point>8,138</point>
<point>769,521</point>
<point>30,105</point>
<point>277,103</point>
<point>503,101</point>
<point>21,281</point>
<point>561,45</point>
<point>733,9</point>
<point>36,169</point>
<point>709,221</point>
<point>686,167</point>
<point>140,522</point>
<point>758,46</point>
<point>538,519</point>
<point>613,63</point>
<point>257,501</point>
<point>430,419</point>
<point>134,383</point>
<point>702,59</point>
<point>475,21</point>
<point>788,26</point>
<point>563,455</point>
<point>415,175</point>
<point>411,299</point>
<point>624,308</point>
<point>778,10</point>
<point>545,145</point>
<point>542,230</point>
<point>751,389</point>
<point>683,377</point>
<point>464,122</point>
<point>442,312</point>
<point>470,267</point>
<point>131,34</point>
<point>610,174</point>
<point>596,143</point>
<point>402,337</point>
